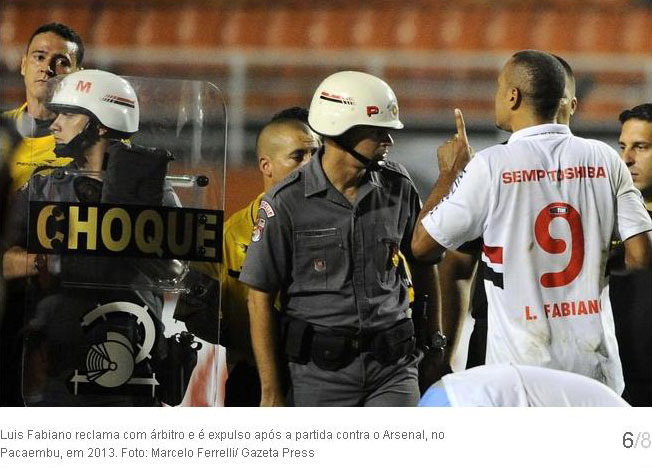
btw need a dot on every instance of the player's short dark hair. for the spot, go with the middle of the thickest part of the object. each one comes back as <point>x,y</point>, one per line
<point>545,80</point>
<point>292,113</point>
<point>65,32</point>
<point>567,68</point>
<point>640,112</point>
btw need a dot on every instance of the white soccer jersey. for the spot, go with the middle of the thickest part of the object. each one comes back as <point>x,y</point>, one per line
<point>510,385</point>
<point>546,204</point>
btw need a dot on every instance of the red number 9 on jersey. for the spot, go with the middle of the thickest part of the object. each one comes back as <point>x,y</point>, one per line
<point>558,246</point>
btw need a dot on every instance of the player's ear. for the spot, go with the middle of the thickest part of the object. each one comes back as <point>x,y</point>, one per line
<point>573,106</point>
<point>265,166</point>
<point>515,98</point>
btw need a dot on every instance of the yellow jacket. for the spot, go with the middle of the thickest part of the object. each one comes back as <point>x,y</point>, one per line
<point>31,154</point>
<point>237,237</point>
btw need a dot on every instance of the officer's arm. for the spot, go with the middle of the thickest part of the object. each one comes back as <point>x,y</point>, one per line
<point>264,341</point>
<point>638,251</point>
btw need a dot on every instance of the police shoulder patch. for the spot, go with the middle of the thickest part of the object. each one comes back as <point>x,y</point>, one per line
<point>267,208</point>
<point>257,233</point>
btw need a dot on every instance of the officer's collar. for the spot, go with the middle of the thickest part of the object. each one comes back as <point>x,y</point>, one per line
<point>536,130</point>
<point>316,180</point>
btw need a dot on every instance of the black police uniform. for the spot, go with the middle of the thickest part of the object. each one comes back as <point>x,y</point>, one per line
<point>348,335</point>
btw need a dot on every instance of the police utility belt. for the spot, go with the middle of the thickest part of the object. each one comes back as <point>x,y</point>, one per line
<point>333,351</point>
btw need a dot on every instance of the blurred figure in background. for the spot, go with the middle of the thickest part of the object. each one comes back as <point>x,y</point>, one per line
<point>631,296</point>
<point>53,49</point>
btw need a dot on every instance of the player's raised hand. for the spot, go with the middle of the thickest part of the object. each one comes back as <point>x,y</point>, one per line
<point>461,128</point>
<point>454,155</point>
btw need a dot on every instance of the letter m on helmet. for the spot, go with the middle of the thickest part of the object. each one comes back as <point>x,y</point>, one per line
<point>84,86</point>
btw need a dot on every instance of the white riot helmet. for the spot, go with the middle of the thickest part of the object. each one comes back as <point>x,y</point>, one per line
<point>349,98</point>
<point>103,95</point>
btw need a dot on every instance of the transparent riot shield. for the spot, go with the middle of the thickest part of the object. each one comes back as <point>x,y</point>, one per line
<point>124,257</point>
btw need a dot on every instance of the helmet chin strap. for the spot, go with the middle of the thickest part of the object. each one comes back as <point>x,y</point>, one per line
<point>369,164</point>
<point>85,139</point>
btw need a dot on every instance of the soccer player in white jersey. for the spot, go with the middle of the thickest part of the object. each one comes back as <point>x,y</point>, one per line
<point>546,205</point>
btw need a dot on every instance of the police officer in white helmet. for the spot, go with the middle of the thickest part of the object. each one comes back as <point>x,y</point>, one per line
<point>93,107</point>
<point>328,238</point>
<point>72,357</point>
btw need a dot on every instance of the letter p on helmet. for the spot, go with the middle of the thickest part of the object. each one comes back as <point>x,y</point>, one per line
<point>372,110</point>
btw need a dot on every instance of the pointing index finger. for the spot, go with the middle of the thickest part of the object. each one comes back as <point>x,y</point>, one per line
<point>459,124</point>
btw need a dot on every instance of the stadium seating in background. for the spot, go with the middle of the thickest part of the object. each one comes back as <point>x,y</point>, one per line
<point>436,53</point>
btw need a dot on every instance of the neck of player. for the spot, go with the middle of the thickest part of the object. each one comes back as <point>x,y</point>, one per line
<point>37,109</point>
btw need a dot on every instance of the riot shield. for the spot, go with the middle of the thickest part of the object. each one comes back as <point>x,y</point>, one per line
<point>111,248</point>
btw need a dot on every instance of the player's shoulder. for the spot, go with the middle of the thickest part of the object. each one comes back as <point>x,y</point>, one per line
<point>600,145</point>
<point>496,150</point>
<point>244,218</point>
<point>14,113</point>
<point>599,149</point>
<point>488,159</point>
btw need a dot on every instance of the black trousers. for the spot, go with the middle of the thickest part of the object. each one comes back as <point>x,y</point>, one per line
<point>477,345</point>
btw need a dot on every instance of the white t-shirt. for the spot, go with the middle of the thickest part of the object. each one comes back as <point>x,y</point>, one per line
<point>546,204</point>
<point>510,385</point>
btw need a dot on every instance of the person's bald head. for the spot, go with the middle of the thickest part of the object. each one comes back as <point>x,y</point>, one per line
<point>530,87</point>
<point>283,145</point>
<point>568,104</point>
